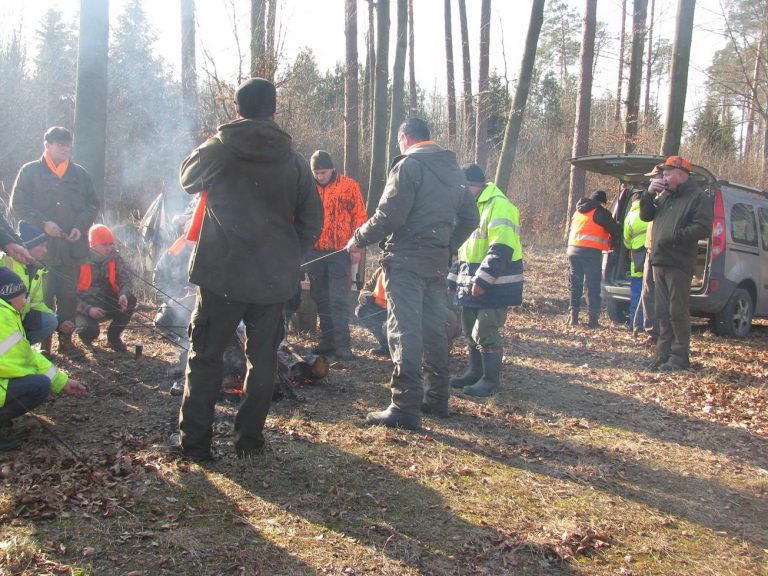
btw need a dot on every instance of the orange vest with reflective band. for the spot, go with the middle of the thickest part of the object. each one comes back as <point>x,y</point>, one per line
<point>378,292</point>
<point>585,232</point>
<point>86,276</point>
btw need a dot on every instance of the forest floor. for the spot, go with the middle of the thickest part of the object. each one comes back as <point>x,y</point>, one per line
<point>583,464</point>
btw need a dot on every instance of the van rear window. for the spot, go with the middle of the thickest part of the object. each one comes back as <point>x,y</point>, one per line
<point>743,225</point>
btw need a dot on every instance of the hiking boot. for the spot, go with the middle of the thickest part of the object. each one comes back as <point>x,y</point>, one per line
<point>671,366</point>
<point>7,441</point>
<point>177,389</point>
<point>474,370</point>
<point>67,348</point>
<point>655,363</point>
<point>394,418</point>
<point>436,409</point>
<point>45,346</point>
<point>382,351</point>
<point>650,341</point>
<point>489,384</point>
<point>344,353</point>
<point>174,447</point>
<point>593,320</point>
<point>324,348</point>
<point>117,345</point>
<point>573,317</point>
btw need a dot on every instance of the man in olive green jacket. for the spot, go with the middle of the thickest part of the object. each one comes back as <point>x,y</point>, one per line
<point>425,213</point>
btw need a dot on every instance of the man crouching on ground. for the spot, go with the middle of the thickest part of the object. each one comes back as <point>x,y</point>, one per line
<point>261,214</point>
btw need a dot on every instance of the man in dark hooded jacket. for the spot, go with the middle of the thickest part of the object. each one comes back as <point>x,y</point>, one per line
<point>261,214</point>
<point>592,231</point>
<point>425,213</point>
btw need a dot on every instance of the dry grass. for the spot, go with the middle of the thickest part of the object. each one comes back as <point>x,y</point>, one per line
<point>584,464</point>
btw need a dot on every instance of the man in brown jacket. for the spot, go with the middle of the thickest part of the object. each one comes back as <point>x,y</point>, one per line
<point>57,196</point>
<point>261,214</point>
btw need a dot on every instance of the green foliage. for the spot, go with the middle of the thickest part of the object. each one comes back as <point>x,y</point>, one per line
<point>713,129</point>
<point>144,128</point>
<point>55,70</point>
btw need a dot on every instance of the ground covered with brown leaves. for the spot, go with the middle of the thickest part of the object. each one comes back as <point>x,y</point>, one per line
<point>583,464</point>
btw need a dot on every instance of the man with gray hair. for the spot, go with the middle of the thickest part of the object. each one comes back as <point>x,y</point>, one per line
<point>425,213</point>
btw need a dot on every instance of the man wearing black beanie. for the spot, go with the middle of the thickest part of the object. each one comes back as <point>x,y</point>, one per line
<point>260,212</point>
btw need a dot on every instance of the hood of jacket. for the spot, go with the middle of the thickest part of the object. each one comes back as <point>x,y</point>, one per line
<point>439,161</point>
<point>587,205</point>
<point>255,140</point>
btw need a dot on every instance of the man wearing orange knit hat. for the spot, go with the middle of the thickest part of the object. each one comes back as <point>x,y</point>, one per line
<point>103,291</point>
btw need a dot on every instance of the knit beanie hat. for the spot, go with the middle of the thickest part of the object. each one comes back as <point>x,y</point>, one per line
<point>321,160</point>
<point>256,98</point>
<point>10,284</point>
<point>474,175</point>
<point>599,196</point>
<point>31,235</point>
<point>100,234</point>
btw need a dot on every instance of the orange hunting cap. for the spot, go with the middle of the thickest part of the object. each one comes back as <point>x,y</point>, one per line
<point>100,234</point>
<point>677,162</point>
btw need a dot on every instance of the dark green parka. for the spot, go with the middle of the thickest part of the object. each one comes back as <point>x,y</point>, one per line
<point>262,212</point>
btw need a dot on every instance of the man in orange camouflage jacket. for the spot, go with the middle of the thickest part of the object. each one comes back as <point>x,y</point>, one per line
<point>330,277</point>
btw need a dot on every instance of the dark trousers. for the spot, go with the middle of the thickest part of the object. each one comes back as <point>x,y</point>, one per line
<point>648,299</point>
<point>374,318</point>
<point>329,288</point>
<point>416,317</point>
<point>24,394</point>
<point>60,290</point>
<point>585,267</point>
<point>673,289</point>
<point>88,329</point>
<point>214,322</point>
<point>635,310</point>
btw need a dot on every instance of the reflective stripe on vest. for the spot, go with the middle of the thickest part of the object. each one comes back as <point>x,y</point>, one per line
<point>10,342</point>
<point>585,232</point>
<point>86,277</point>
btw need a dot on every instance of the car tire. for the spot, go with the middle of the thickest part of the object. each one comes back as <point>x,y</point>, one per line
<point>617,311</point>
<point>735,319</point>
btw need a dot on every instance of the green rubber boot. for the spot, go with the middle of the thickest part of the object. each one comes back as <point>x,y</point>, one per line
<point>474,371</point>
<point>489,383</point>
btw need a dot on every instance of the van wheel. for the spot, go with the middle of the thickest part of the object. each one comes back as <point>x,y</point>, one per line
<point>735,319</point>
<point>617,311</point>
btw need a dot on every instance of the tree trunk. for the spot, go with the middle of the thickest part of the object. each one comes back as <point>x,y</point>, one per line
<point>635,74</point>
<point>351,118</point>
<point>449,75</point>
<point>481,134</point>
<point>515,119</point>
<point>622,45</point>
<point>649,65</point>
<point>91,92</point>
<point>189,71</point>
<point>583,114</point>
<point>752,100</point>
<point>257,37</point>
<point>469,113</point>
<point>370,64</point>
<point>678,80</point>
<point>397,116</point>
<point>380,112</point>
<point>413,100</point>
<point>270,50</point>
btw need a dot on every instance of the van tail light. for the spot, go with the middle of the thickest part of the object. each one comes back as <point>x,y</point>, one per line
<point>714,284</point>
<point>718,227</point>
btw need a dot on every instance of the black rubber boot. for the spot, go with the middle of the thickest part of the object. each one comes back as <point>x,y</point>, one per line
<point>489,383</point>
<point>593,320</point>
<point>573,317</point>
<point>474,370</point>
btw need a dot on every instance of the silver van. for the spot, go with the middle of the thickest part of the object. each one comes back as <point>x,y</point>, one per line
<point>730,284</point>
